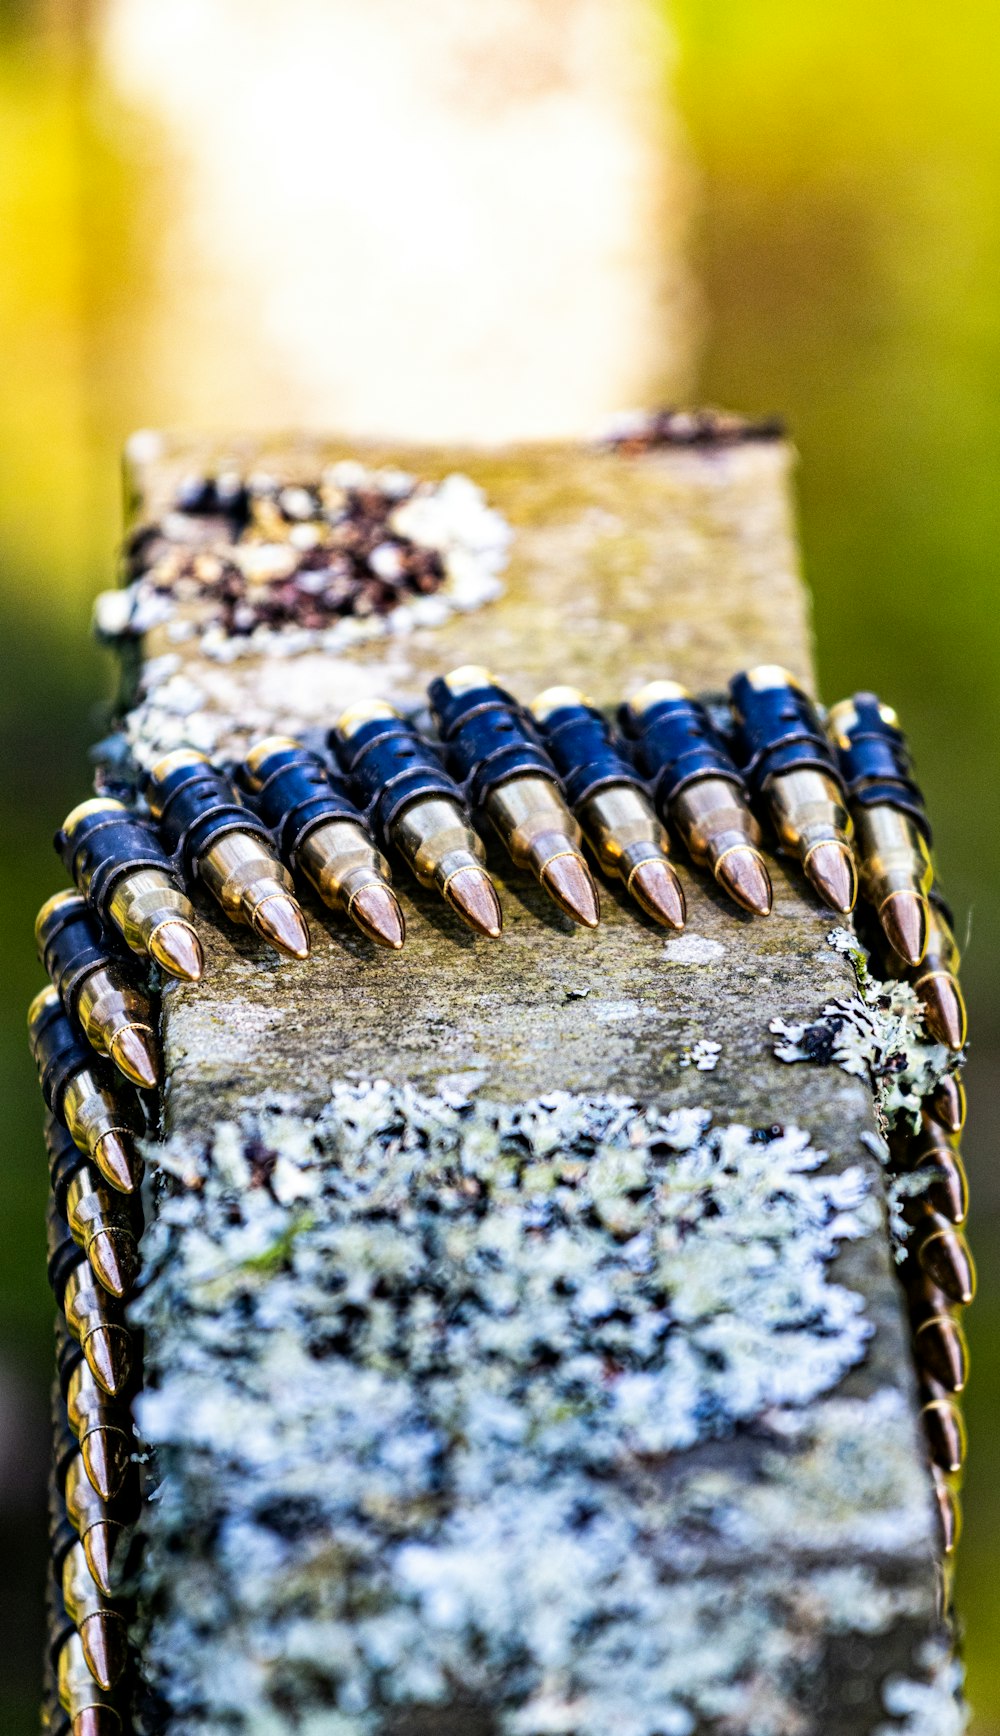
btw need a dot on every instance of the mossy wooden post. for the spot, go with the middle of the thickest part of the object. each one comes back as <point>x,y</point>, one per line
<point>492,1390</point>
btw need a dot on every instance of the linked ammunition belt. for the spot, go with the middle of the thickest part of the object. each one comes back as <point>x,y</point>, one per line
<point>834,792</point>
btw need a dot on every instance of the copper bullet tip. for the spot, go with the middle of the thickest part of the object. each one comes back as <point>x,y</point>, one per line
<point>176,947</point>
<point>944,1008</point>
<point>117,1161</point>
<point>471,892</point>
<point>133,1051</point>
<point>108,1354</point>
<point>903,916</point>
<point>114,1259</point>
<point>105,1546</point>
<point>741,872</point>
<point>281,923</point>
<point>945,1256</point>
<point>948,1191</point>
<point>940,1347</point>
<point>949,1513</point>
<point>103,1639</point>
<point>948,1104</point>
<point>831,869</point>
<point>97,1721</point>
<point>106,1461</point>
<point>569,883</point>
<point>656,887</point>
<point>946,1435</point>
<point>376,911</point>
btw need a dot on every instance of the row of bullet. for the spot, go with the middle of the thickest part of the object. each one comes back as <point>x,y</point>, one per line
<point>545,777</point>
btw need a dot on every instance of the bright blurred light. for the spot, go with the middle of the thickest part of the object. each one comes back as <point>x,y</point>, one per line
<point>438,222</point>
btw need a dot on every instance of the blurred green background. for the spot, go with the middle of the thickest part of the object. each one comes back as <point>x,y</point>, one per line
<point>848,248</point>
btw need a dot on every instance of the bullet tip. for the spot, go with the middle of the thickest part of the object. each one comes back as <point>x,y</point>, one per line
<point>133,1051</point>
<point>176,947</point>
<point>376,911</point>
<point>114,1258</point>
<point>105,1545</point>
<point>569,883</point>
<point>948,1104</point>
<point>656,887</point>
<point>281,923</point>
<point>106,1461</point>
<point>830,867</point>
<point>944,1008</point>
<point>116,1160</point>
<point>945,1435</point>
<point>946,1258</point>
<point>742,873</point>
<point>97,1721</point>
<point>903,916</point>
<point>103,1639</point>
<point>949,1513</point>
<point>471,892</point>
<point>107,1350</point>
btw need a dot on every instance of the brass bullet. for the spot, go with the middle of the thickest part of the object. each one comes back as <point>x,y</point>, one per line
<point>789,762</point>
<point>891,828</point>
<point>97,987</point>
<point>91,1316</point>
<point>936,980</point>
<point>607,796</point>
<point>930,1152</point>
<point>321,832</point>
<point>120,866</point>
<point>228,847</point>
<point>101,1222</point>
<point>90,1707</point>
<point>100,1625</point>
<point>84,1092</point>
<point>949,1511</point>
<point>104,1531</point>
<point>943,1253</point>
<point>493,750</point>
<point>939,1345</point>
<point>101,1425</point>
<point>944,1426</point>
<point>947,1105</point>
<point>697,788</point>
<point>411,803</point>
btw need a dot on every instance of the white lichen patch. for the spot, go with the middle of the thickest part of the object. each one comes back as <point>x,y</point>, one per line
<point>691,948</point>
<point>411,1370</point>
<point>880,1035</point>
<point>930,1704</point>
<point>704,1055</point>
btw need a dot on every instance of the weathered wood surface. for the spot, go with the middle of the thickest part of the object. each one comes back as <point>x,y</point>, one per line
<point>772,1569</point>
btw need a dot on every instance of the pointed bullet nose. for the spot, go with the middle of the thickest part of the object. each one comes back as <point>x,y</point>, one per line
<point>946,1437</point>
<point>106,1546</point>
<point>108,1353</point>
<point>948,1192</point>
<point>117,1161</point>
<point>281,923</point>
<point>114,1258</point>
<point>176,947</point>
<point>904,921</point>
<point>944,1008</point>
<point>940,1348</point>
<point>948,1103</point>
<point>106,1460</point>
<point>103,1639</point>
<point>742,873</point>
<point>570,884</point>
<point>375,909</point>
<point>831,869</point>
<point>946,1258</point>
<point>657,888</point>
<point>472,893</point>
<point>949,1513</point>
<point>133,1051</point>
